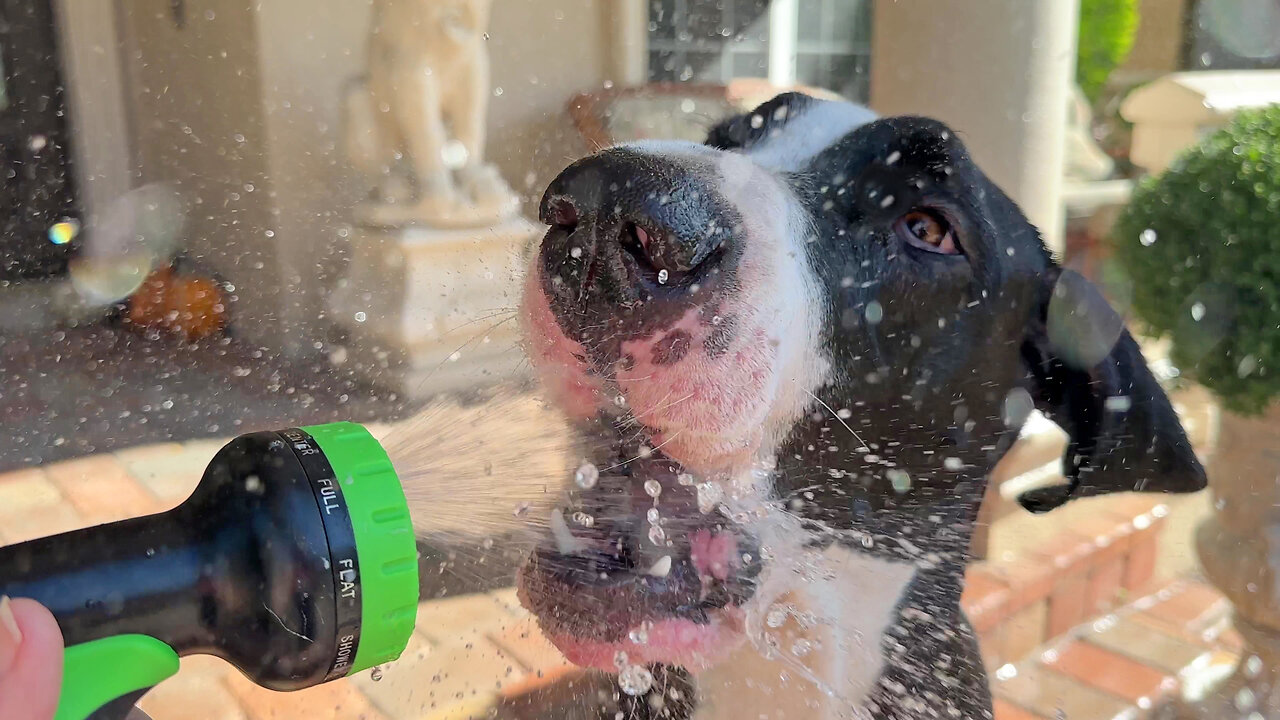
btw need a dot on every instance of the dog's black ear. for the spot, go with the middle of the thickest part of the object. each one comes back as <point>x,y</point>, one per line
<point>1088,376</point>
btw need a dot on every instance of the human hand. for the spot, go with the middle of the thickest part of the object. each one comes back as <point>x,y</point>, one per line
<point>30,660</point>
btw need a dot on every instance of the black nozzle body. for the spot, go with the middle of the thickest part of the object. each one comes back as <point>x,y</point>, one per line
<point>241,570</point>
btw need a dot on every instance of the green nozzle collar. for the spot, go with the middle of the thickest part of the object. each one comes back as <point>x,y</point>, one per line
<point>385,544</point>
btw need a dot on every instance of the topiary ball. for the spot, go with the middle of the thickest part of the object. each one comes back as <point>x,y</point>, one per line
<point>1201,243</point>
<point>1107,29</point>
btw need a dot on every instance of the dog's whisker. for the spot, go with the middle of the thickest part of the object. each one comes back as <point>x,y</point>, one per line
<point>836,415</point>
<point>642,455</point>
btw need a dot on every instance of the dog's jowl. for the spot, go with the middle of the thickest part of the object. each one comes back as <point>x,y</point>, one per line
<point>794,354</point>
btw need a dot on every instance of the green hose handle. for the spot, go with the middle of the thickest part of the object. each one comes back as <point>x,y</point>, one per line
<point>99,671</point>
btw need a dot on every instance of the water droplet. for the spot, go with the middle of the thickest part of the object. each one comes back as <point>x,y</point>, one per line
<point>639,635</point>
<point>893,158</point>
<point>661,567</point>
<point>801,647</point>
<point>1118,403</point>
<point>657,536</point>
<point>1197,311</point>
<point>586,476</point>
<point>1018,405</point>
<point>685,479</point>
<point>584,519</point>
<point>635,680</point>
<point>652,488</point>
<point>376,673</point>
<point>776,617</point>
<point>575,252</point>
<point>900,479</point>
<point>1253,666</point>
<point>662,276</point>
<point>361,317</point>
<point>1147,237</point>
<point>1245,699</point>
<point>1247,365</point>
<point>757,121</point>
<point>874,313</point>
<point>953,464</point>
<point>653,515</point>
<point>709,495</point>
<point>886,201</point>
<point>253,484</point>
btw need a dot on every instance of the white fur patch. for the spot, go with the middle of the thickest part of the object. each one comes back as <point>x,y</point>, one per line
<point>818,652</point>
<point>808,133</point>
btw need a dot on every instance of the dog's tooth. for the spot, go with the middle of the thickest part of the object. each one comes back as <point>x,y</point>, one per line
<point>566,543</point>
<point>660,568</point>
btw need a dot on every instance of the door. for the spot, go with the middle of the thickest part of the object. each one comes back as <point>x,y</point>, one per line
<point>38,217</point>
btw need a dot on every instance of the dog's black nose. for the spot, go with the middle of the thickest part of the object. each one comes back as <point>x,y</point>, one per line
<point>625,223</point>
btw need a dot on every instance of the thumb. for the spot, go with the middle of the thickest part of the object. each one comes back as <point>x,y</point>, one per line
<point>30,661</point>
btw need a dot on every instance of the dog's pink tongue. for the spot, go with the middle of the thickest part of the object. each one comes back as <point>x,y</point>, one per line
<point>671,642</point>
<point>714,554</point>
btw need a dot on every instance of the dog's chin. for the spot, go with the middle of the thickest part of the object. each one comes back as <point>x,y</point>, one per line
<point>695,646</point>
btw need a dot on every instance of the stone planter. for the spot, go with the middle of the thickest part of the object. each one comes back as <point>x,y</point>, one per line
<point>1239,549</point>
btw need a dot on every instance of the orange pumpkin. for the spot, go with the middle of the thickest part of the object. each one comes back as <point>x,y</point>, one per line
<point>189,306</point>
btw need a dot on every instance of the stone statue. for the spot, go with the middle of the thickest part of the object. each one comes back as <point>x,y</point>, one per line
<point>1084,160</point>
<point>416,121</point>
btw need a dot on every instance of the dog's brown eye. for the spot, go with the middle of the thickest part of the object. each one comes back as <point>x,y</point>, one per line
<point>927,231</point>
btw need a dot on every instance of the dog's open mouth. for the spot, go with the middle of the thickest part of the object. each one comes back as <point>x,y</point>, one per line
<point>639,570</point>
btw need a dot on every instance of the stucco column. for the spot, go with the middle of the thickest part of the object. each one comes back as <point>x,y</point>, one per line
<point>999,72</point>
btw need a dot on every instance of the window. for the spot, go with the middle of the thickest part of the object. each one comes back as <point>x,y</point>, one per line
<point>1233,35</point>
<point>823,43</point>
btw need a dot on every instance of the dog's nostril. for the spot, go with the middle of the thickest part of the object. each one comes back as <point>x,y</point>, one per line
<point>639,243</point>
<point>562,214</point>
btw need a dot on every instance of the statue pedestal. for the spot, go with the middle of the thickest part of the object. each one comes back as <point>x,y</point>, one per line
<point>430,310</point>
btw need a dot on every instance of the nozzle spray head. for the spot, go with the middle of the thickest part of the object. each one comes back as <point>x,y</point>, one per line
<point>377,585</point>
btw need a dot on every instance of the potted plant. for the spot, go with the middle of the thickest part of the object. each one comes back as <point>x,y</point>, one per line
<point>1201,246</point>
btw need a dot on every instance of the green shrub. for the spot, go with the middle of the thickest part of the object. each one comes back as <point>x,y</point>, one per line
<point>1201,244</point>
<point>1107,28</point>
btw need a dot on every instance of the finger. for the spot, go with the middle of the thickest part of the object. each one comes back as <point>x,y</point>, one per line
<point>30,661</point>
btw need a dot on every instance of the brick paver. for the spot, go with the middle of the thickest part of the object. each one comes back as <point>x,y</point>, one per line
<point>466,651</point>
<point>101,489</point>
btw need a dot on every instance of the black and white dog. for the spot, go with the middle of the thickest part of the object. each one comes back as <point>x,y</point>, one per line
<point>798,350</point>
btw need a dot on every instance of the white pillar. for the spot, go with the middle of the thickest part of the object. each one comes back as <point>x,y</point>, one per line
<point>783,29</point>
<point>998,71</point>
<point>629,27</point>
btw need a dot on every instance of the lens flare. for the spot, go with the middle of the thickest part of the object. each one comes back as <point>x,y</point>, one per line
<point>64,231</point>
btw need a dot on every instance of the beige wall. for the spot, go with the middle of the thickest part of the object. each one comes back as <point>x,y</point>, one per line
<point>1157,46</point>
<point>279,85</point>
<point>193,94</point>
<point>997,71</point>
